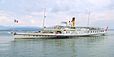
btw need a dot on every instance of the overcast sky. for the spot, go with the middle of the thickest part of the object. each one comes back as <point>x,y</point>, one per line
<point>30,12</point>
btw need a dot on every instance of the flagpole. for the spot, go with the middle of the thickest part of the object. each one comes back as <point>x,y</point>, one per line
<point>44,18</point>
<point>15,22</point>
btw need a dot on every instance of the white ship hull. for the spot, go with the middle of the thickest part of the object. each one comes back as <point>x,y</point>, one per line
<point>45,35</point>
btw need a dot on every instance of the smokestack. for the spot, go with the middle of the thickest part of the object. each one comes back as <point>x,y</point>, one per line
<point>73,22</point>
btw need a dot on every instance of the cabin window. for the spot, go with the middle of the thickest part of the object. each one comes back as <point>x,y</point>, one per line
<point>87,31</point>
<point>58,32</point>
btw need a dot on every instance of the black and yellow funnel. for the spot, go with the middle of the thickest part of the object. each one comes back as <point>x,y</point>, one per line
<point>73,23</point>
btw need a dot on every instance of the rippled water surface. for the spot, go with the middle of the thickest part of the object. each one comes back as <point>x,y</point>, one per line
<point>102,46</point>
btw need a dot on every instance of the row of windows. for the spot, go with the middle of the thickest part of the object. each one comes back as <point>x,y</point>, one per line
<point>37,35</point>
<point>94,31</point>
<point>89,32</point>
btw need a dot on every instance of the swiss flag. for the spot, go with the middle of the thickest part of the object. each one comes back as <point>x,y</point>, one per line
<point>16,21</point>
<point>106,29</point>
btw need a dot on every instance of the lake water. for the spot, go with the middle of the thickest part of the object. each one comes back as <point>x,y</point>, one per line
<point>102,46</point>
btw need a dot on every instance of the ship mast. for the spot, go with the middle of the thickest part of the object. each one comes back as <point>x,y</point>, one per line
<point>44,18</point>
